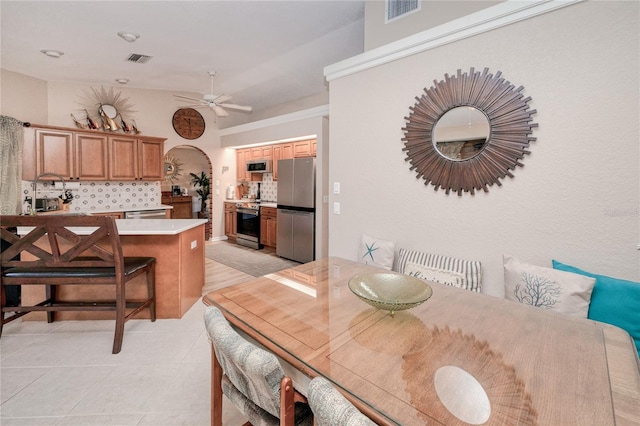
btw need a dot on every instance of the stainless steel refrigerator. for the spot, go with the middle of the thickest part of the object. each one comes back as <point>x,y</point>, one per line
<point>296,209</point>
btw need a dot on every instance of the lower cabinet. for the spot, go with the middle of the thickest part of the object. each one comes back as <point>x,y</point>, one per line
<point>181,206</point>
<point>230,220</point>
<point>268,226</point>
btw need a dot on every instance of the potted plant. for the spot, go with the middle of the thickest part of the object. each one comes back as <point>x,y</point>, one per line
<point>203,189</point>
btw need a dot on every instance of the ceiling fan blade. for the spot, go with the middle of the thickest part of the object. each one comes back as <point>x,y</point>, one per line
<point>222,98</point>
<point>238,107</point>
<point>220,112</point>
<point>187,97</point>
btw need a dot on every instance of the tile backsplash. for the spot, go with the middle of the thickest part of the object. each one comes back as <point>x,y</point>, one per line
<point>100,195</point>
<point>268,189</point>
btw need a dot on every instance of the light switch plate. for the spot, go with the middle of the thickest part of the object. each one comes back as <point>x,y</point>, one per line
<point>336,187</point>
<point>336,208</point>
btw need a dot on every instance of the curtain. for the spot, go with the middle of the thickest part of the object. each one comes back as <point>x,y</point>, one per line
<point>11,141</point>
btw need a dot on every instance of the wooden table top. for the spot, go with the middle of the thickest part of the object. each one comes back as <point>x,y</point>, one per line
<point>458,356</point>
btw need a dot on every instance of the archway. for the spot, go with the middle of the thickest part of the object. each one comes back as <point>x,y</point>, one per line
<point>190,159</point>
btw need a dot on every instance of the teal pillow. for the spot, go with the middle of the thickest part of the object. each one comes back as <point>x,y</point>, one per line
<point>613,301</point>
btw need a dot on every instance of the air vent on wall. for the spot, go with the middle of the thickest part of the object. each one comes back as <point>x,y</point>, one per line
<point>138,58</point>
<point>395,9</point>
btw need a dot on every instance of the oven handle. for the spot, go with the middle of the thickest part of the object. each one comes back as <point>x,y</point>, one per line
<point>248,211</point>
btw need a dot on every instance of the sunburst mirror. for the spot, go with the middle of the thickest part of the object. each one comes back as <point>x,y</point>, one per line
<point>468,131</point>
<point>172,168</point>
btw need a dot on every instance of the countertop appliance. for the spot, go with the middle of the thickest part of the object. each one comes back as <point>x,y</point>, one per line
<point>259,166</point>
<point>46,204</point>
<point>146,214</point>
<point>248,224</point>
<point>296,209</point>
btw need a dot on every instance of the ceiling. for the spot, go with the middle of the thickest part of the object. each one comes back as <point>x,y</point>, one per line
<point>264,53</point>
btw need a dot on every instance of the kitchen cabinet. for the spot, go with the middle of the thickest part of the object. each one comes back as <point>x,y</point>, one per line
<point>230,220</point>
<point>242,155</point>
<point>116,215</point>
<point>268,226</point>
<point>91,155</point>
<point>181,206</point>
<point>304,148</point>
<point>275,152</point>
<point>247,154</point>
<point>72,155</point>
<point>281,151</point>
<point>136,158</point>
<point>262,152</point>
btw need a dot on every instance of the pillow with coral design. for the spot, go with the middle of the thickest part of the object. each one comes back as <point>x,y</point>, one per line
<point>376,252</point>
<point>547,288</point>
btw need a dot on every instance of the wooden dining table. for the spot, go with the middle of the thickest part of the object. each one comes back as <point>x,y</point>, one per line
<point>458,358</point>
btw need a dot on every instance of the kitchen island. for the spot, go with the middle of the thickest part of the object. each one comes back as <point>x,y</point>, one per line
<point>177,245</point>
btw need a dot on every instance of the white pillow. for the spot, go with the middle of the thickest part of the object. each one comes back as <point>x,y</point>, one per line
<point>376,252</point>
<point>548,288</point>
<point>465,274</point>
<point>437,275</point>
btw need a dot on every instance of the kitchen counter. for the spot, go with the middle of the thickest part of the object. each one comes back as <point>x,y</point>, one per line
<point>177,245</point>
<point>145,226</point>
<point>97,211</point>
<point>249,200</point>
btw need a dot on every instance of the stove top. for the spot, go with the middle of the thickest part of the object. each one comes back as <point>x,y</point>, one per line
<point>253,205</point>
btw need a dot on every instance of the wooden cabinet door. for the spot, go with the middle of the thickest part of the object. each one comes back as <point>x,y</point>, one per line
<point>91,157</point>
<point>262,152</point>
<point>268,226</point>
<point>123,158</point>
<point>230,220</point>
<point>302,149</point>
<point>55,153</point>
<point>242,155</point>
<point>150,159</point>
<point>281,151</point>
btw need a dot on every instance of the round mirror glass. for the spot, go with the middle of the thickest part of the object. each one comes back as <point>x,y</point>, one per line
<point>461,133</point>
<point>109,111</point>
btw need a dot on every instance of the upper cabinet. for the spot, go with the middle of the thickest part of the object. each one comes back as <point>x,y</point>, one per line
<point>72,155</point>
<point>280,151</point>
<point>136,158</point>
<point>91,156</point>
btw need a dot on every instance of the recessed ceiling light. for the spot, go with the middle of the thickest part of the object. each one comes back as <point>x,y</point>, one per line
<point>122,80</point>
<point>52,53</point>
<point>130,37</point>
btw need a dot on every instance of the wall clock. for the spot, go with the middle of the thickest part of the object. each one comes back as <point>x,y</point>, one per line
<point>188,123</point>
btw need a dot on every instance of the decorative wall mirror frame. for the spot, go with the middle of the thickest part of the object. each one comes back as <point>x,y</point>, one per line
<point>510,127</point>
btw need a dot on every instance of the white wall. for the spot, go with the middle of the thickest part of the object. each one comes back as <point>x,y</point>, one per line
<point>22,97</point>
<point>432,13</point>
<point>577,197</point>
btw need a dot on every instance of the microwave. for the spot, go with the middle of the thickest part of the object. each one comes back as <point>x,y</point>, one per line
<point>259,166</point>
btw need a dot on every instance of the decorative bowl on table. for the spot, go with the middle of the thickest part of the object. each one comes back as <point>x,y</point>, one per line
<point>390,291</point>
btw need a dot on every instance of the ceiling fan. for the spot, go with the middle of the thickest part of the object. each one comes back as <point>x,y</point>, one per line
<point>217,103</point>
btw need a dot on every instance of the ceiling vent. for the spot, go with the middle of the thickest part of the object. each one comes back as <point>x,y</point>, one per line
<point>395,9</point>
<point>138,58</point>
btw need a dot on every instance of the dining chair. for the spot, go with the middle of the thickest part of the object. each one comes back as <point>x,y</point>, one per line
<point>251,378</point>
<point>330,408</point>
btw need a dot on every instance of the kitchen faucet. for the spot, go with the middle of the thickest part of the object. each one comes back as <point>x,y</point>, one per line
<point>35,189</point>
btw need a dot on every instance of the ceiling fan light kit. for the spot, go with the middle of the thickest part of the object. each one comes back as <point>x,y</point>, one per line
<point>217,103</point>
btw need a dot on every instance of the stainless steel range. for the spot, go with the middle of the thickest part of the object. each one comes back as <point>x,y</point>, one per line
<point>248,224</point>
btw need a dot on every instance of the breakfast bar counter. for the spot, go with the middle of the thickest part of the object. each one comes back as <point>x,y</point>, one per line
<point>177,245</point>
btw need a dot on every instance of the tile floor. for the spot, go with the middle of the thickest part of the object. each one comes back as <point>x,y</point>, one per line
<point>63,373</point>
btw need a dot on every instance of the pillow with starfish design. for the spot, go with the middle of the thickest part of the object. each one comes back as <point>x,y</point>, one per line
<point>376,252</point>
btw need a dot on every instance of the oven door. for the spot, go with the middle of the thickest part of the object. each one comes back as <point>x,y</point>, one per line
<point>248,227</point>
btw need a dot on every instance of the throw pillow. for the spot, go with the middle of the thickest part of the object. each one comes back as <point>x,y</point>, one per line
<point>376,252</point>
<point>441,276</point>
<point>469,271</point>
<point>547,288</point>
<point>613,301</point>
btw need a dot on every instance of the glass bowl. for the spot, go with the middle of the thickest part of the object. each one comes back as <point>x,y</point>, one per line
<point>390,291</point>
